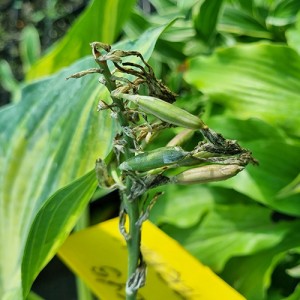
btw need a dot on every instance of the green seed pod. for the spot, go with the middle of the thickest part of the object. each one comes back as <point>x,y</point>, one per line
<point>151,160</point>
<point>163,110</point>
<point>207,173</point>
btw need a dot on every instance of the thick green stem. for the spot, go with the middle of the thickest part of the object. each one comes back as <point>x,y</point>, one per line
<point>131,207</point>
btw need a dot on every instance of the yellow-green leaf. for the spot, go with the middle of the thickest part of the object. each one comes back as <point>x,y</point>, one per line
<point>102,21</point>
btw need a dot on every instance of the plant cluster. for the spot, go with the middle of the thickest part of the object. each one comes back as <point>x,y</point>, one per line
<point>213,159</point>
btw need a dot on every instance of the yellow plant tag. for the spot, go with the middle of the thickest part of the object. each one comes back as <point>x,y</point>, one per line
<point>98,255</point>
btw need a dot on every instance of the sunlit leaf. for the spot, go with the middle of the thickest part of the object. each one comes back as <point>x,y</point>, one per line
<point>101,21</point>
<point>255,80</point>
<point>51,137</point>
<point>52,225</point>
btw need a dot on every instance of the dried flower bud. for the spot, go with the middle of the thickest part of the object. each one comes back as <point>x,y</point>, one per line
<point>207,173</point>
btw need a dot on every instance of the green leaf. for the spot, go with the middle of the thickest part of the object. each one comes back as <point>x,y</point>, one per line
<point>101,21</point>
<point>8,81</point>
<point>52,225</point>
<point>293,35</point>
<point>295,295</point>
<point>263,183</point>
<point>50,138</point>
<point>291,189</point>
<point>256,80</point>
<point>284,12</point>
<point>30,47</point>
<point>229,230</point>
<point>184,206</point>
<point>251,275</point>
<point>206,15</point>
<point>241,22</point>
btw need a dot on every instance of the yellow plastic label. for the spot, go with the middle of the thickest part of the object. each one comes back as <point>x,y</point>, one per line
<point>98,256</point>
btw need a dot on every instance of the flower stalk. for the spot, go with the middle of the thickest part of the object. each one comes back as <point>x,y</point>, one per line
<point>214,158</point>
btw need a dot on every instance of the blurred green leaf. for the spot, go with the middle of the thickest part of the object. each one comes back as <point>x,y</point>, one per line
<point>184,206</point>
<point>51,137</point>
<point>34,296</point>
<point>52,225</point>
<point>293,35</point>
<point>291,189</point>
<point>206,14</point>
<point>255,80</point>
<point>245,273</point>
<point>101,21</point>
<point>227,231</point>
<point>30,47</point>
<point>241,22</point>
<point>8,81</point>
<point>284,12</point>
<point>295,295</point>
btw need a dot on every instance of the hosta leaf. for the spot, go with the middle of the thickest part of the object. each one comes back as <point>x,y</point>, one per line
<point>52,225</point>
<point>255,80</point>
<point>241,22</point>
<point>293,35</point>
<point>184,206</point>
<point>284,13</point>
<point>229,230</point>
<point>206,15</point>
<point>251,275</point>
<point>264,183</point>
<point>101,21</point>
<point>51,137</point>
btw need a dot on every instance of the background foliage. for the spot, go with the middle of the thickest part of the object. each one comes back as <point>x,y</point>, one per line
<point>234,62</point>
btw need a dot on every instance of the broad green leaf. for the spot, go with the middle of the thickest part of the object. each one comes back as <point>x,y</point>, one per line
<point>291,189</point>
<point>50,138</point>
<point>101,21</point>
<point>52,225</point>
<point>293,35</point>
<point>227,231</point>
<point>241,22</point>
<point>206,15</point>
<point>184,206</point>
<point>263,183</point>
<point>283,12</point>
<point>255,80</point>
<point>251,275</point>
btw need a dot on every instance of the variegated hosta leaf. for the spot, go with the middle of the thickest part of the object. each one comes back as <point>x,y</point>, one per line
<point>255,80</point>
<point>52,225</point>
<point>51,137</point>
